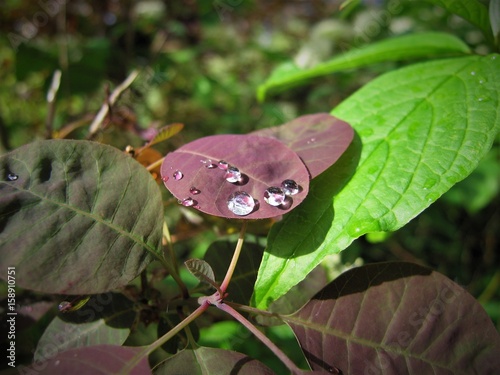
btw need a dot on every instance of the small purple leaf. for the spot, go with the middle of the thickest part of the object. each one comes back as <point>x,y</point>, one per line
<point>319,139</point>
<point>258,164</point>
<point>202,271</point>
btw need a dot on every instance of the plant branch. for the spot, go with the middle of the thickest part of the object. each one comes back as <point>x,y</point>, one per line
<point>253,310</point>
<point>263,338</point>
<point>167,336</point>
<point>51,102</point>
<point>155,164</point>
<point>101,115</point>
<point>234,260</point>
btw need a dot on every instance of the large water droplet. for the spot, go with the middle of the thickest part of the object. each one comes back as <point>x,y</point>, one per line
<point>178,175</point>
<point>224,165</point>
<point>240,203</point>
<point>188,202</point>
<point>290,187</point>
<point>233,174</point>
<point>274,196</point>
<point>194,190</point>
<point>12,177</point>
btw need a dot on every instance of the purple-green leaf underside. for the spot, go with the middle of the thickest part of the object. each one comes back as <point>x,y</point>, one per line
<point>76,217</point>
<point>319,139</point>
<point>264,162</point>
<point>396,318</point>
<point>93,360</point>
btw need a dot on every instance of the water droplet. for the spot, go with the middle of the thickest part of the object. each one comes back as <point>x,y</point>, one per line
<point>209,164</point>
<point>312,140</point>
<point>164,178</point>
<point>493,57</point>
<point>429,183</point>
<point>187,202</point>
<point>274,196</point>
<point>290,187</point>
<point>178,175</point>
<point>472,73</point>
<point>233,174</point>
<point>480,99</point>
<point>194,190</point>
<point>240,203</point>
<point>224,165</point>
<point>12,177</point>
<point>481,81</point>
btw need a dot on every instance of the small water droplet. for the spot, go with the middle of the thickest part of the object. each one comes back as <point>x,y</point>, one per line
<point>224,165</point>
<point>164,178</point>
<point>312,140</point>
<point>290,187</point>
<point>240,203</point>
<point>274,196</point>
<point>187,202</point>
<point>12,177</point>
<point>178,175</point>
<point>432,197</point>
<point>493,57</point>
<point>481,81</point>
<point>194,190</point>
<point>472,73</point>
<point>480,99</point>
<point>209,164</point>
<point>233,174</point>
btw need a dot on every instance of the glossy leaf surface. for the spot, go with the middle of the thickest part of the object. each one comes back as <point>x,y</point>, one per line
<point>397,318</point>
<point>192,173</point>
<point>78,218</point>
<point>319,139</point>
<point>412,46</point>
<point>93,360</point>
<point>205,361</point>
<point>421,129</point>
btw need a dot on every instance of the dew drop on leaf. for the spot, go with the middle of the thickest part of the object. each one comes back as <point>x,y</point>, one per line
<point>12,177</point>
<point>209,164</point>
<point>290,187</point>
<point>274,196</point>
<point>194,190</point>
<point>240,203</point>
<point>223,165</point>
<point>233,174</point>
<point>177,175</point>
<point>188,202</point>
<point>472,73</point>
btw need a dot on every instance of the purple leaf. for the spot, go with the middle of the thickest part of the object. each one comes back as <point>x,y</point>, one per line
<point>397,318</point>
<point>193,175</point>
<point>92,360</point>
<point>319,139</point>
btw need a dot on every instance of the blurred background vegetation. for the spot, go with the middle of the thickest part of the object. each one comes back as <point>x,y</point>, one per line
<point>200,64</point>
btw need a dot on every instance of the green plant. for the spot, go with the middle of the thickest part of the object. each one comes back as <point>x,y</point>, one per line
<point>81,218</point>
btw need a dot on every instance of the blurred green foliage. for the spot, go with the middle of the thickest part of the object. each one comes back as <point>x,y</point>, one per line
<point>201,63</point>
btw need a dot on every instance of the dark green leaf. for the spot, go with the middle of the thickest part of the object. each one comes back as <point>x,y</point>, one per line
<point>203,361</point>
<point>79,218</point>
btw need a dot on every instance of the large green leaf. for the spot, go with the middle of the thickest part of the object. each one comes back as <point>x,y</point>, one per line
<point>421,129</point>
<point>430,44</point>
<point>471,10</point>
<point>76,217</point>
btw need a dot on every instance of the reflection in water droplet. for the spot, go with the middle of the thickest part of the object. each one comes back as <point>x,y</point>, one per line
<point>194,190</point>
<point>240,203</point>
<point>223,165</point>
<point>274,196</point>
<point>290,187</point>
<point>233,174</point>
<point>178,175</point>
<point>12,177</point>
<point>188,202</point>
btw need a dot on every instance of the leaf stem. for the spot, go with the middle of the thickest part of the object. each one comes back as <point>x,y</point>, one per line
<point>51,102</point>
<point>263,338</point>
<point>234,260</point>
<point>253,310</point>
<point>155,164</point>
